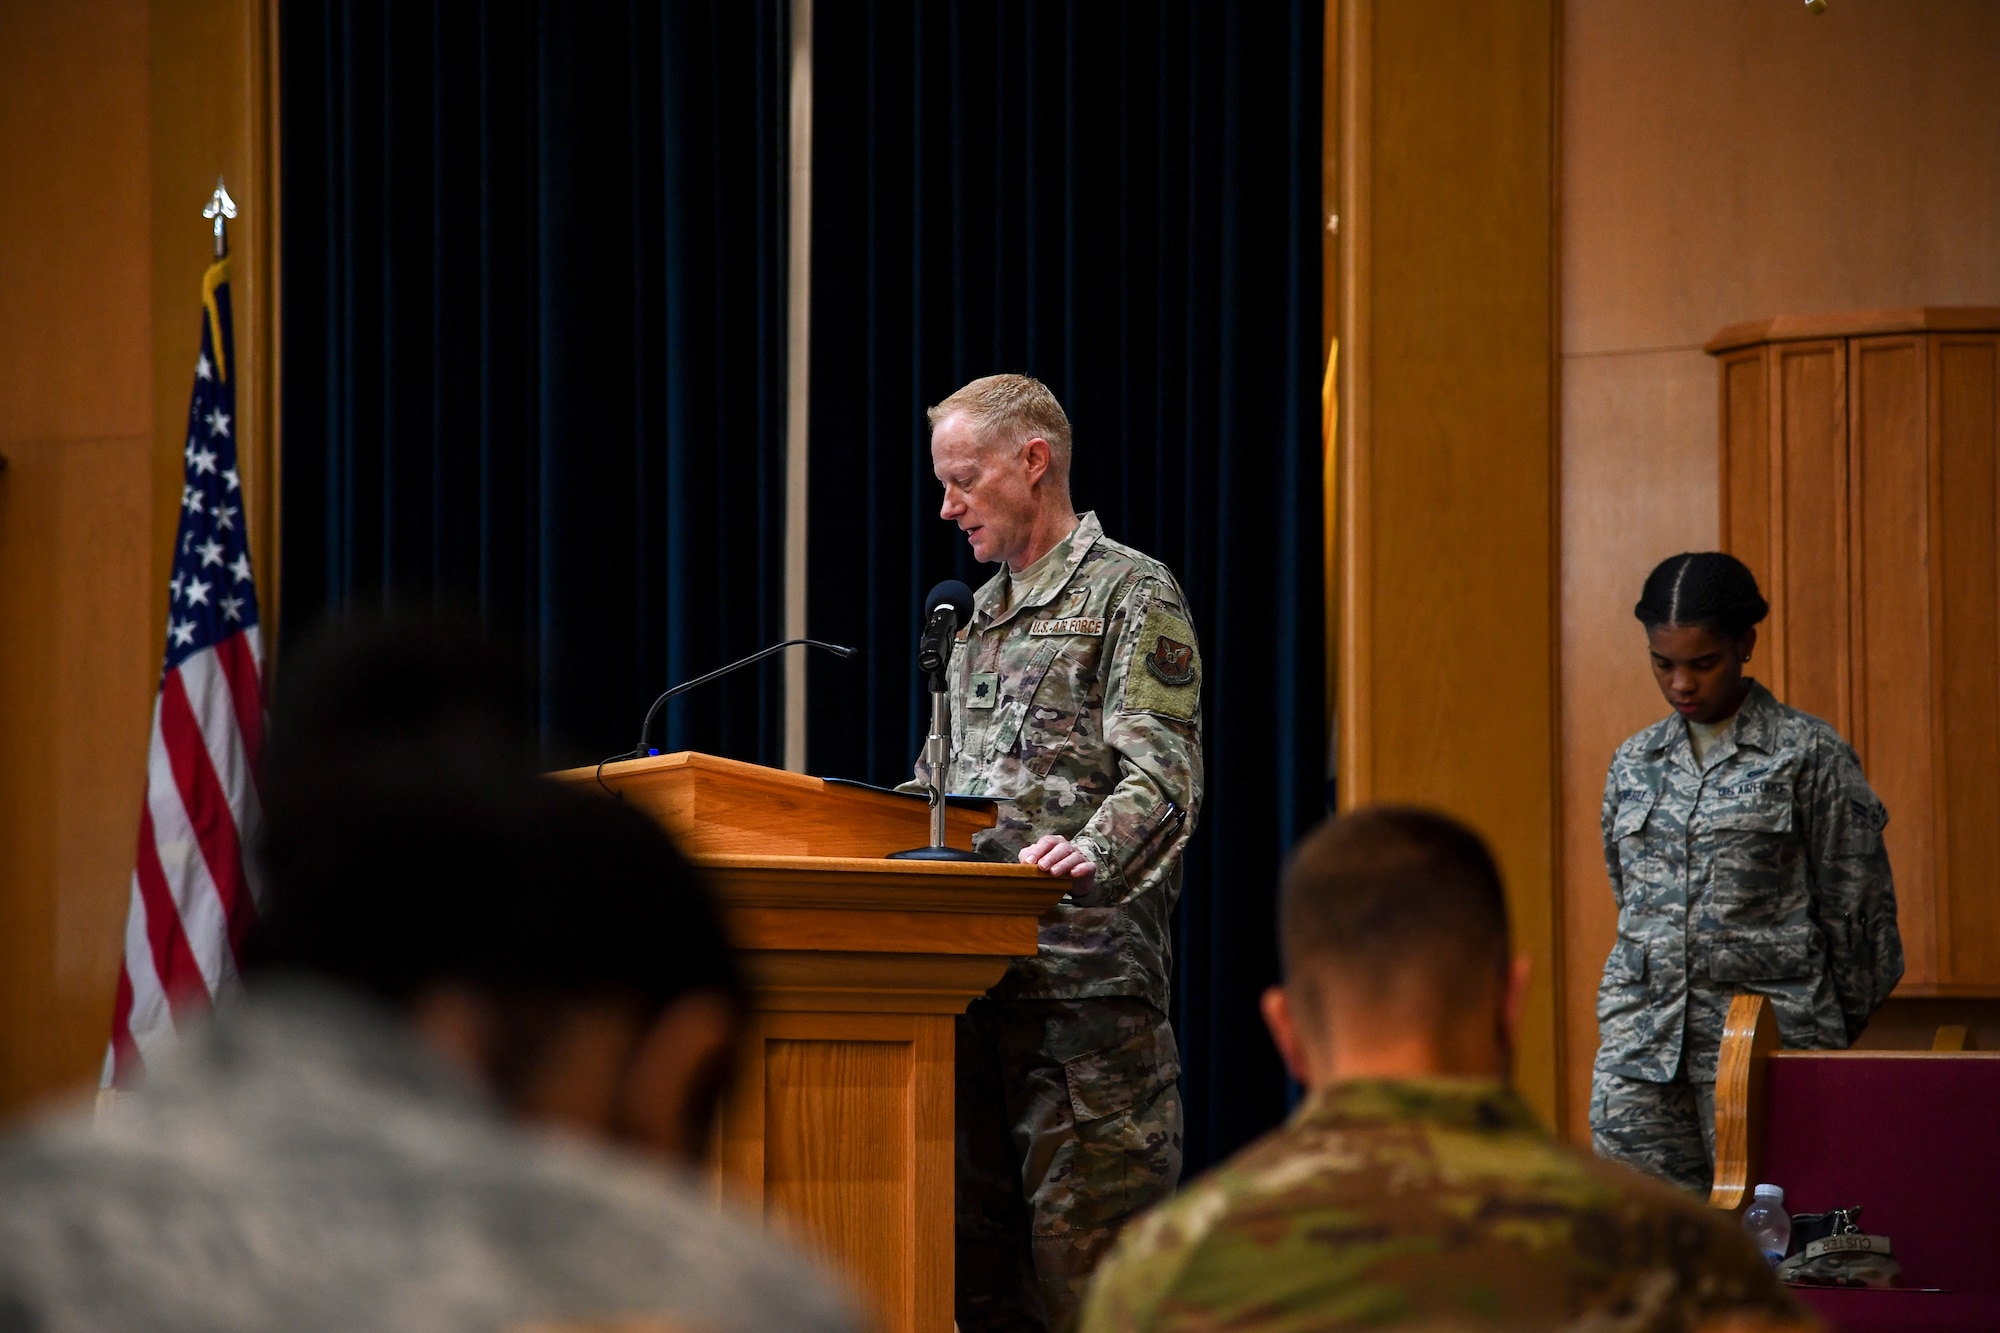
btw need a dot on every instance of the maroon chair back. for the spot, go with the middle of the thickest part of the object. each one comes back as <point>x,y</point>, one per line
<point>1913,1138</point>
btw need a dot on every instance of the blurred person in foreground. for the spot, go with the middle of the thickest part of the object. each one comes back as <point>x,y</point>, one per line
<point>484,1024</point>
<point>1412,1187</point>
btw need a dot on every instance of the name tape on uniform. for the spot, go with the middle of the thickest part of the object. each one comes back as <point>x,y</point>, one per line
<point>1075,625</point>
<point>1850,1243</point>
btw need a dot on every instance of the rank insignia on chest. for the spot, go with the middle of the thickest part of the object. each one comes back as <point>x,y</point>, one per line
<point>1171,662</point>
<point>985,691</point>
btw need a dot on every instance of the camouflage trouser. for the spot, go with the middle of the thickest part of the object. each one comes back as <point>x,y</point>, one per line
<point>1664,1129</point>
<point>1069,1123</point>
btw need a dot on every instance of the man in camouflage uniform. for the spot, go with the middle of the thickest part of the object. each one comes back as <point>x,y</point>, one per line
<point>1412,1188</point>
<point>1075,696</point>
<point>1758,868</point>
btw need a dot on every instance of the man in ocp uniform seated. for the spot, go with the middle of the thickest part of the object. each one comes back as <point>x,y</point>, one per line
<point>1412,1188</point>
<point>1075,698</point>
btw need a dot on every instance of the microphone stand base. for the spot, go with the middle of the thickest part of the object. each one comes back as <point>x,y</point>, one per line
<point>935,854</point>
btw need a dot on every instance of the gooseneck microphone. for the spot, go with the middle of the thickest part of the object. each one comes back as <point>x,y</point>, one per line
<point>640,750</point>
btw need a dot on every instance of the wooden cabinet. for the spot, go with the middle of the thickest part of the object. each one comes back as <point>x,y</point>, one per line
<point>1860,480</point>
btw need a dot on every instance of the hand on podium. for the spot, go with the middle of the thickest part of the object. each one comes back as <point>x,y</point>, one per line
<point>1059,856</point>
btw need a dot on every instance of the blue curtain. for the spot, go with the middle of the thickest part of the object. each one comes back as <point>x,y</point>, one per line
<point>534,297</point>
<point>1122,200</point>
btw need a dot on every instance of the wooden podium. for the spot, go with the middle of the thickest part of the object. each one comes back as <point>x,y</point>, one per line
<point>839,1128</point>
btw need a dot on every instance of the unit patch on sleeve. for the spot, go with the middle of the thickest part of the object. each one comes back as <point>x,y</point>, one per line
<point>1164,675</point>
<point>1172,662</point>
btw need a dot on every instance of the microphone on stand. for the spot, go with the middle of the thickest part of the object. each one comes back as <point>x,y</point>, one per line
<point>645,746</point>
<point>948,607</point>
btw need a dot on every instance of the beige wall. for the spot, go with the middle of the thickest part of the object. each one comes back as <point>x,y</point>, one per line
<point>1725,160</point>
<point>114,121</point>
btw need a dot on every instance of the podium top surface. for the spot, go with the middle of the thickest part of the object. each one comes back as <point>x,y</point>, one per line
<point>717,807</point>
<point>692,761</point>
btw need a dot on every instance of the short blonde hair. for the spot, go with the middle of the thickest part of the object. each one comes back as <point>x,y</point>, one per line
<point>1012,409</point>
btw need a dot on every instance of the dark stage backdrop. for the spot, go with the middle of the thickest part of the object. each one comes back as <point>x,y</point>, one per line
<point>1122,200</point>
<point>534,294</point>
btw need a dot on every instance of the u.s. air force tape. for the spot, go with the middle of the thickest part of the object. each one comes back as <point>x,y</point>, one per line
<point>1074,625</point>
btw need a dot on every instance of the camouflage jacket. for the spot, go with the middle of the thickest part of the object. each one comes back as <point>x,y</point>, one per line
<point>1075,698</point>
<point>1435,1204</point>
<point>1762,873</point>
<point>303,1162</point>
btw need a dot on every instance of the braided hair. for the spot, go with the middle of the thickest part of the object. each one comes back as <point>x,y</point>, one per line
<point>1702,588</point>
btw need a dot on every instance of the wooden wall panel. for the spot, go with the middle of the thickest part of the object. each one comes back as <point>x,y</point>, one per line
<point>1891,557</point>
<point>1807,638</point>
<point>1746,459</point>
<point>1890,496</point>
<point>1914,681</point>
<point>114,120</point>
<point>1630,505</point>
<point>1965,378</point>
<point>1447,680</point>
<point>76,653</point>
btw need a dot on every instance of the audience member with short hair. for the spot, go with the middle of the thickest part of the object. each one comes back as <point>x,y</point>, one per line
<point>485,1022</point>
<point>1412,1187</point>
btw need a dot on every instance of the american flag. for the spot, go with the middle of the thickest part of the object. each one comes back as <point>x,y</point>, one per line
<point>194,889</point>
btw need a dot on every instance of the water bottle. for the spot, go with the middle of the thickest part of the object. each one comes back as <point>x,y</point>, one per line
<point>1769,1226</point>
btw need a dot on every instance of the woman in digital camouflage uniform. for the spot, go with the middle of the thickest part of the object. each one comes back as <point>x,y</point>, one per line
<point>1745,854</point>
